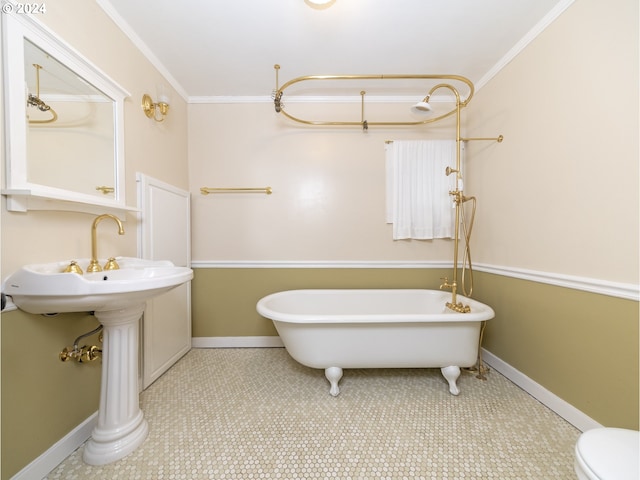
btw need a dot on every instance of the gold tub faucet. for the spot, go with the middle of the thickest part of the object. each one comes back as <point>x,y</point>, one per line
<point>111,263</point>
<point>446,283</point>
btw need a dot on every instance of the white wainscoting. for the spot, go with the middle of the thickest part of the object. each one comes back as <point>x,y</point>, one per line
<point>592,285</point>
<point>628,291</point>
<point>318,264</point>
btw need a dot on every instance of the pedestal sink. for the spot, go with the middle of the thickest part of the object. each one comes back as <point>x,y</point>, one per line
<point>117,298</point>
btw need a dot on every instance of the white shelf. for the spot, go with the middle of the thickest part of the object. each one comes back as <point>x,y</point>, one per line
<point>22,200</point>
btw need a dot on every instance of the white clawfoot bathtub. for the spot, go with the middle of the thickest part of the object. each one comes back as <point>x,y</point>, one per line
<point>371,328</point>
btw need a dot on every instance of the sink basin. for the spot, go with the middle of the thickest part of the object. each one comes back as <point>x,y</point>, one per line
<point>44,288</point>
<point>118,299</point>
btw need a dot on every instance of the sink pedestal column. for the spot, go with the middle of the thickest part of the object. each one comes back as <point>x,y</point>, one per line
<point>121,426</point>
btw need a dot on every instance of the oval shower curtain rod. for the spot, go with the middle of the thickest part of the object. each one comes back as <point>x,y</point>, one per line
<point>279,92</point>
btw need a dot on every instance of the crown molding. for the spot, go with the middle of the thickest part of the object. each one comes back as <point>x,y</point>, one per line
<point>524,42</point>
<point>146,51</point>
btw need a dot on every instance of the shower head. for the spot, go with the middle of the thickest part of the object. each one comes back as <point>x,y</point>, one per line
<point>422,106</point>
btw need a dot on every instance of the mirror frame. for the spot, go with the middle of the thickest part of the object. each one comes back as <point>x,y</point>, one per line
<point>21,194</point>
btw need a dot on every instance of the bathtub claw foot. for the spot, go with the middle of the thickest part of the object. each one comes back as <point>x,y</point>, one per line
<point>451,374</point>
<point>333,374</point>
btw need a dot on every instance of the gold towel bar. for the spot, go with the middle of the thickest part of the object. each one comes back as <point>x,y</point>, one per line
<point>207,190</point>
<point>498,139</point>
<point>495,139</point>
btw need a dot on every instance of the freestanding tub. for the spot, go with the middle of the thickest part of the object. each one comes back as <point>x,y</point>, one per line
<point>371,328</point>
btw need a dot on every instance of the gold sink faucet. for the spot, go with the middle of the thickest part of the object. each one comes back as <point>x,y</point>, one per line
<point>111,263</point>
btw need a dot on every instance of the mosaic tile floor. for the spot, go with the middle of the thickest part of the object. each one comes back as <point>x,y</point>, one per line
<point>258,414</point>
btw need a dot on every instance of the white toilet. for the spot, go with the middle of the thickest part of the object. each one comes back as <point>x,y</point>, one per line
<point>608,454</point>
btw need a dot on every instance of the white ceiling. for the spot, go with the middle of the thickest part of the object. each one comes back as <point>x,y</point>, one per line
<point>216,48</point>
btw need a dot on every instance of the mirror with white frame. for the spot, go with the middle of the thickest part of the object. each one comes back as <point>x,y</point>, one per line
<point>63,125</point>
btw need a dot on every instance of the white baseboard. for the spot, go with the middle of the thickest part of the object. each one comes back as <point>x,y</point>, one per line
<point>45,463</point>
<point>236,342</point>
<point>567,411</point>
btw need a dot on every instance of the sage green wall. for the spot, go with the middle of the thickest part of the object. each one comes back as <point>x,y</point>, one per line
<point>581,346</point>
<point>43,399</point>
<point>224,299</point>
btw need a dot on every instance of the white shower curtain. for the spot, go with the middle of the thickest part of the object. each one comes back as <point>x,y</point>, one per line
<point>418,202</point>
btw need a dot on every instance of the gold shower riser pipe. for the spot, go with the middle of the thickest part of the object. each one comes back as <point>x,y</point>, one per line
<point>208,190</point>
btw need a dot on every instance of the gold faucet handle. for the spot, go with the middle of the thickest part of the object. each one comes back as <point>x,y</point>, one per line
<point>111,264</point>
<point>73,267</point>
<point>459,307</point>
<point>94,266</point>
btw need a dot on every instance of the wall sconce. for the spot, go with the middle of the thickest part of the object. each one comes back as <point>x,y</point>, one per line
<point>151,109</point>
